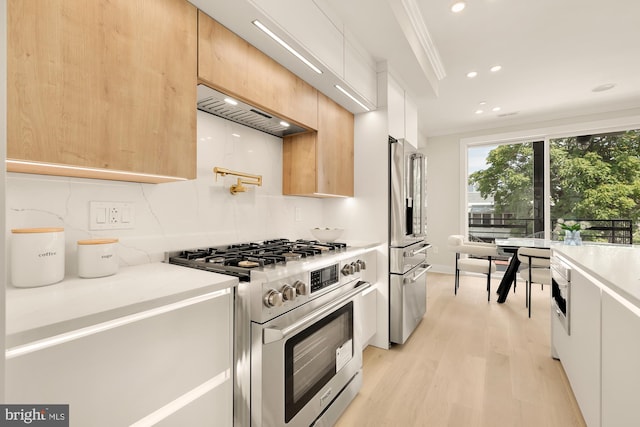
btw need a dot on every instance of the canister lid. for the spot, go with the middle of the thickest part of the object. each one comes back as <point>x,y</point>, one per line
<point>97,241</point>
<point>37,230</point>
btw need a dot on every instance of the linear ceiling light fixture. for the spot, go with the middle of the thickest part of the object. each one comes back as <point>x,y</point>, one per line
<point>353,98</point>
<point>286,46</point>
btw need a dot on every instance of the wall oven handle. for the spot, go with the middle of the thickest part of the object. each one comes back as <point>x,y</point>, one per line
<point>417,251</point>
<point>270,335</point>
<point>425,268</point>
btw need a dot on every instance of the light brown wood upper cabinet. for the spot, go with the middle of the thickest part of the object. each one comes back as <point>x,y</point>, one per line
<point>103,84</point>
<point>321,164</point>
<point>231,65</point>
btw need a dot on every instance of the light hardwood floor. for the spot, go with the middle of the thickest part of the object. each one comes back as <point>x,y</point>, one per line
<point>469,363</point>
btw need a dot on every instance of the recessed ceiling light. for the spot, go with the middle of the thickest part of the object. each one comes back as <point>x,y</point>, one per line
<point>603,87</point>
<point>458,6</point>
<point>496,68</point>
<point>231,101</point>
<point>235,135</point>
<point>472,74</point>
<point>496,109</point>
<point>479,111</point>
<point>482,103</point>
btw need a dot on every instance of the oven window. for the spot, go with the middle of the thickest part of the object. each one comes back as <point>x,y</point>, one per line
<point>313,356</point>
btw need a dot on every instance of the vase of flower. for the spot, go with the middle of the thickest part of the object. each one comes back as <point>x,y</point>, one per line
<point>572,231</point>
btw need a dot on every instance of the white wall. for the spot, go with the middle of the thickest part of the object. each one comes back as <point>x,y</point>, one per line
<point>174,215</point>
<point>443,173</point>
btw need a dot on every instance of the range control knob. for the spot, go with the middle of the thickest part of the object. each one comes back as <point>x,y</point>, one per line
<point>356,266</point>
<point>347,270</point>
<point>300,287</point>
<point>288,293</point>
<point>273,298</point>
<point>362,264</point>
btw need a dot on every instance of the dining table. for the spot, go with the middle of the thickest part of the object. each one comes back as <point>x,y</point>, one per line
<point>510,246</point>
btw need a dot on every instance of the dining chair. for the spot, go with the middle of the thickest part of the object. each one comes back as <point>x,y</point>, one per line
<point>537,269</point>
<point>480,259</point>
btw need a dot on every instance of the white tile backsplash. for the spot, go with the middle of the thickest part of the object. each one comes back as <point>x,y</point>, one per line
<point>174,215</point>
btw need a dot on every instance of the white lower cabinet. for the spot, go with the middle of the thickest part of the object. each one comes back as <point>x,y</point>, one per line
<point>620,362</point>
<point>580,354</point>
<point>369,315</point>
<point>170,365</point>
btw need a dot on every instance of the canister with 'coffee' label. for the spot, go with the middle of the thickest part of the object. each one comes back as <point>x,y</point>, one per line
<point>37,256</point>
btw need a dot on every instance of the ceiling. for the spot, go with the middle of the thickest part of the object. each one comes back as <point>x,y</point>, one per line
<point>553,54</point>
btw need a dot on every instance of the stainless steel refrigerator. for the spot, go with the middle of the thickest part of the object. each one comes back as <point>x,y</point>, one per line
<point>407,240</point>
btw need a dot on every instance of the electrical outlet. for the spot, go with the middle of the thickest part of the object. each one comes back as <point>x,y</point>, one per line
<point>114,216</point>
<point>111,215</point>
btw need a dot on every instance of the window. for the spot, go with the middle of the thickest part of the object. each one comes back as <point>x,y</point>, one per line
<point>593,178</point>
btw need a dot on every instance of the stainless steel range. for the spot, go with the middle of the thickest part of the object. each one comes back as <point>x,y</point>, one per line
<point>298,345</point>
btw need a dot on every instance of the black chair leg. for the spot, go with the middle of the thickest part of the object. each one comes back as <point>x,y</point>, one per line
<point>457,277</point>
<point>530,299</point>
<point>455,285</point>
<point>488,287</point>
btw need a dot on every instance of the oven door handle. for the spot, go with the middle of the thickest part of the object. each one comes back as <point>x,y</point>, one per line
<point>270,335</point>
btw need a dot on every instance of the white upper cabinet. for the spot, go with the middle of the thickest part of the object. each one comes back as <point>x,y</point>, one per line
<point>360,70</point>
<point>402,112</point>
<point>310,27</point>
<point>395,109</point>
<point>410,120</point>
<point>318,30</point>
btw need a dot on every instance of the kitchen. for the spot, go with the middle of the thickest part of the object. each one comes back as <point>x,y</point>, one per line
<point>262,212</point>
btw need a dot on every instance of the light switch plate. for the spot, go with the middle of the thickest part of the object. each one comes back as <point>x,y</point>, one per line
<point>111,216</point>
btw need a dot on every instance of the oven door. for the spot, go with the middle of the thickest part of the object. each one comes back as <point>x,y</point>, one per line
<point>307,363</point>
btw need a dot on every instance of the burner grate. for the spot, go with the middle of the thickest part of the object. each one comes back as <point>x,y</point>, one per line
<point>239,259</point>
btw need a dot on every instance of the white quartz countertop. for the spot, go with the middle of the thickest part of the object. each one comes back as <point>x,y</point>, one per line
<point>38,313</point>
<point>616,266</point>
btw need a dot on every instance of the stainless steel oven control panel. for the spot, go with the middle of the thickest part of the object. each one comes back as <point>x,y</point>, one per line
<point>323,277</point>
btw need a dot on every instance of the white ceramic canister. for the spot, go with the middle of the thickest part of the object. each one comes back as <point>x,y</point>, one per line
<point>97,257</point>
<point>37,256</point>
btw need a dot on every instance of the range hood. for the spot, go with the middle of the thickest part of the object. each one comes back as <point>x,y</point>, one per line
<point>213,102</point>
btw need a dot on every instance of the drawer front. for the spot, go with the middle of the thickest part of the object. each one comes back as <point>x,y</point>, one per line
<point>118,376</point>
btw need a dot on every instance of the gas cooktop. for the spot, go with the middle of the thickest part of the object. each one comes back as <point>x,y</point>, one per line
<point>239,259</point>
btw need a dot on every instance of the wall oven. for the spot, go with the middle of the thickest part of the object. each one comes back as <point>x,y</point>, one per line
<point>561,292</point>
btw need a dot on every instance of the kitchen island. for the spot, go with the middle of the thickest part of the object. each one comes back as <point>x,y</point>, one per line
<point>152,343</point>
<point>601,348</point>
